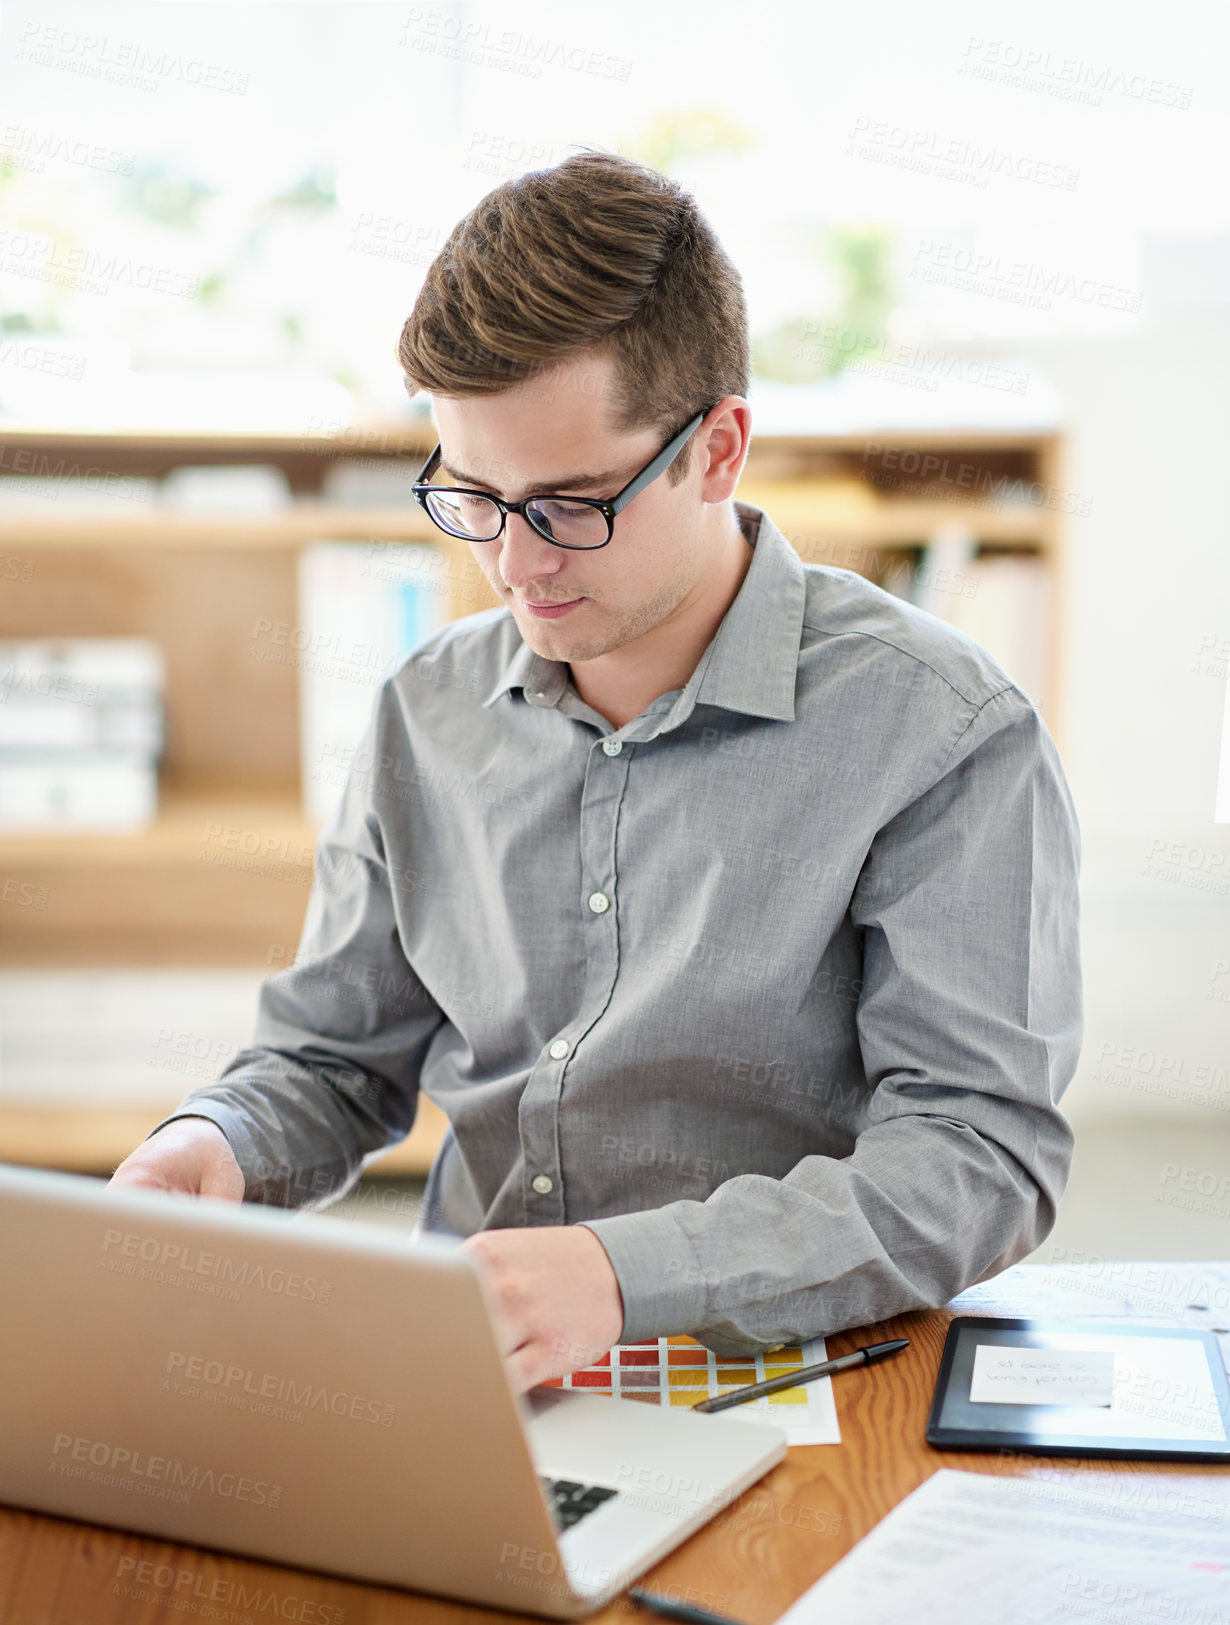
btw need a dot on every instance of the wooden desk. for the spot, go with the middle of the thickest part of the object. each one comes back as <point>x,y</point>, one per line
<point>750,1562</point>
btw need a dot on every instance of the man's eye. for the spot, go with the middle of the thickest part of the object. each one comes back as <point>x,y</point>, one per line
<point>557,508</point>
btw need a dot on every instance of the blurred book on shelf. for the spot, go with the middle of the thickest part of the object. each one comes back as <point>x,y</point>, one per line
<point>120,1038</point>
<point>999,598</point>
<point>363,607</point>
<point>241,488</point>
<point>372,482</point>
<point>81,733</point>
<point>1009,613</point>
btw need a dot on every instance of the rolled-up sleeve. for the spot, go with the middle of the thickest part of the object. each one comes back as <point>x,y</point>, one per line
<point>330,1079</point>
<point>969,1024</point>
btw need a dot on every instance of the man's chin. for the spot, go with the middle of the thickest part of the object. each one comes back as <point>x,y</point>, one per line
<point>550,627</point>
<point>554,640</point>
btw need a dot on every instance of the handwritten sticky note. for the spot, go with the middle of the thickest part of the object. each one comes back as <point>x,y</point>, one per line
<point>1007,1375</point>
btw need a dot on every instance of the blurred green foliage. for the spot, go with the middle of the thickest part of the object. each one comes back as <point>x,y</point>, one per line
<point>811,347</point>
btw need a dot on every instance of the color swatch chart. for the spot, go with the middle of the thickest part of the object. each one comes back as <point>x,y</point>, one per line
<point>681,1371</point>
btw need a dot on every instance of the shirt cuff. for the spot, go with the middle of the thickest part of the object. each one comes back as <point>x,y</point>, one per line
<point>661,1281</point>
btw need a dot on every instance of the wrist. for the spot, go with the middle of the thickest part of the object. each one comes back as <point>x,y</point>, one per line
<point>612,1292</point>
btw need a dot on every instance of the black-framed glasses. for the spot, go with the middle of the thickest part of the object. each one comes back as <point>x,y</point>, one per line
<point>568,521</point>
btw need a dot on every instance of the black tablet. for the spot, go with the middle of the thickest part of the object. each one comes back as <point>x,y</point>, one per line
<point>1082,1388</point>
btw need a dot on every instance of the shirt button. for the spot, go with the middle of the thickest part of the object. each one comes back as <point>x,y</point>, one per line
<point>599,902</point>
<point>543,1184</point>
<point>612,746</point>
<point>559,1049</point>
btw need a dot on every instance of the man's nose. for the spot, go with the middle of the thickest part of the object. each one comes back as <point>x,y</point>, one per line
<point>525,555</point>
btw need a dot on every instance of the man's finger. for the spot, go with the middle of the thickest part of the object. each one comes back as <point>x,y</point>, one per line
<point>136,1172</point>
<point>537,1359</point>
<point>528,1365</point>
<point>139,1179</point>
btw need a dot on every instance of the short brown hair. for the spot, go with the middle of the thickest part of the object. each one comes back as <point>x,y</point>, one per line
<point>597,253</point>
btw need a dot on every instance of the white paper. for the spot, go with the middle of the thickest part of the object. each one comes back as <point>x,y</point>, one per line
<point>1012,1374</point>
<point>1038,1550</point>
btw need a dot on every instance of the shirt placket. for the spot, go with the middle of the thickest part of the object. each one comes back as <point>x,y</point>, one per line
<point>597,905</point>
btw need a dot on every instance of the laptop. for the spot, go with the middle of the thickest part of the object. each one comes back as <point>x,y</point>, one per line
<point>328,1395</point>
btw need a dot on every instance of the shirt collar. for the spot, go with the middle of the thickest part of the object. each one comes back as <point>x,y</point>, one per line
<point>751,662</point>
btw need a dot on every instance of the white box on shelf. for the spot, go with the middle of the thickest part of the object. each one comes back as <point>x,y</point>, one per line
<point>80,733</point>
<point>363,607</point>
<point>73,794</point>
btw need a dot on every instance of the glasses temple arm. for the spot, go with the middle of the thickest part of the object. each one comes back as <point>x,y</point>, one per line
<point>427,468</point>
<point>659,465</point>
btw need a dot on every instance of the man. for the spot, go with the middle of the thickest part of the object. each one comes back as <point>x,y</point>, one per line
<point>726,905</point>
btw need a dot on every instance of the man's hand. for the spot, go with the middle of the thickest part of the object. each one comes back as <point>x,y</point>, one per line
<point>557,1301</point>
<point>191,1154</point>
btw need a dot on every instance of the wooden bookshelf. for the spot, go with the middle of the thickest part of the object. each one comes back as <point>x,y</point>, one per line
<point>189,890</point>
<point>96,1139</point>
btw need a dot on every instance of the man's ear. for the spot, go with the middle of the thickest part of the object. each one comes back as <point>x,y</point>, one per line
<point>727,434</point>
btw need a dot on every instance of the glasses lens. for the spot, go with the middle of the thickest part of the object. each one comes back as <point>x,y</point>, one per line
<point>476,518</point>
<point>575,524</point>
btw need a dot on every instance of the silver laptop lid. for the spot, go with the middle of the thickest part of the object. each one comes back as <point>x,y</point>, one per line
<point>277,1384</point>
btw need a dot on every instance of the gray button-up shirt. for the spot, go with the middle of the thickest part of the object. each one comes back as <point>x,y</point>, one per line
<point>775,988</point>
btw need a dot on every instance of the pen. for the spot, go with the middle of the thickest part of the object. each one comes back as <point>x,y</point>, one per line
<point>669,1609</point>
<point>873,1351</point>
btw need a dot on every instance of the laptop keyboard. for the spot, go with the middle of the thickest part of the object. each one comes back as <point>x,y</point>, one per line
<point>571,1501</point>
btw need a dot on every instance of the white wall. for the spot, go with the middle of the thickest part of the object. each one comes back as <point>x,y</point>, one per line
<point>1148,631</point>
